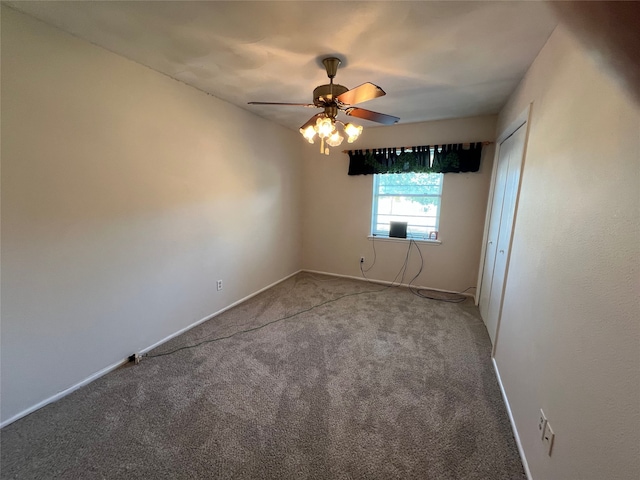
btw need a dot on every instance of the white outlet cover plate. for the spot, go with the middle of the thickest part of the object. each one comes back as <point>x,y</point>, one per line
<point>542,424</point>
<point>548,438</point>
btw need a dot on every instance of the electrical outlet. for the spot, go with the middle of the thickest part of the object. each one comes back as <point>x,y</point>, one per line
<point>361,259</point>
<point>547,438</point>
<point>542,423</point>
<point>219,285</point>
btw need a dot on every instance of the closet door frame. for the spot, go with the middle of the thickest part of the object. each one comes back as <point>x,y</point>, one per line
<point>523,119</point>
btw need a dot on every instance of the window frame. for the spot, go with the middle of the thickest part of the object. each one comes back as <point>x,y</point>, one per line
<point>410,236</point>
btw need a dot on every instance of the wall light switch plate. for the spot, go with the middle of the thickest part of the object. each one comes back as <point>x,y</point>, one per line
<point>548,438</point>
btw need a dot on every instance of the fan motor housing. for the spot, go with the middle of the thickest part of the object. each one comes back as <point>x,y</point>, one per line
<point>326,94</point>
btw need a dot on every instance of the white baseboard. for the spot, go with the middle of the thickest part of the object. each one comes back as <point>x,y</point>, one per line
<point>512,421</point>
<point>112,367</point>
<point>384,282</point>
<point>63,393</point>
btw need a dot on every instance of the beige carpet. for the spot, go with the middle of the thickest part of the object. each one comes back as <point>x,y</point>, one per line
<point>378,385</point>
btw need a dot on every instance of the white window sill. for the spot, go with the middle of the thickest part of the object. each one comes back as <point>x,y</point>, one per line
<point>404,240</point>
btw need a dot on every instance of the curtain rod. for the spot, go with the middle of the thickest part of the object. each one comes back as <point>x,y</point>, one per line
<point>409,148</point>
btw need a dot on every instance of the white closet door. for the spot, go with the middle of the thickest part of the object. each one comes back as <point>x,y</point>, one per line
<point>494,230</point>
<point>500,229</point>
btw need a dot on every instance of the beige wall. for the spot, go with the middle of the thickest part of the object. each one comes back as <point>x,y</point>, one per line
<point>569,339</point>
<point>337,209</point>
<point>125,196</point>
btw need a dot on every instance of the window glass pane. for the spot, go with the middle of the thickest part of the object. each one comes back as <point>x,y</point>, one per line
<point>412,206</point>
<point>409,197</point>
<point>385,205</point>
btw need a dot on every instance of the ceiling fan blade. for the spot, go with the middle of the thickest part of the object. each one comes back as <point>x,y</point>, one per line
<point>373,116</point>
<point>362,93</point>
<point>286,104</point>
<point>312,120</point>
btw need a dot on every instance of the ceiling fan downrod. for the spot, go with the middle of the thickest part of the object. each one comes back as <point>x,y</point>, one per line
<point>331,65</point>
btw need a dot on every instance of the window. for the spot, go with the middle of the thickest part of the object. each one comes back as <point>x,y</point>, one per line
<point>407,197</point>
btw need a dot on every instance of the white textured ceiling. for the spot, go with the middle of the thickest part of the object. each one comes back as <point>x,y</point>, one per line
<point>435,60</point>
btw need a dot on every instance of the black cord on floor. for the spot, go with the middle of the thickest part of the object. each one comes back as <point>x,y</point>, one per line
<point>419,291</point>
<point>259,327</point>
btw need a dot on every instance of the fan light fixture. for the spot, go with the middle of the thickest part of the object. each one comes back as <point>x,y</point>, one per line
<point>327,131</point>
<point>334,98</point>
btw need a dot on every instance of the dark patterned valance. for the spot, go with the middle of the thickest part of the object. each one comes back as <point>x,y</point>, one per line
<point>450,158</point>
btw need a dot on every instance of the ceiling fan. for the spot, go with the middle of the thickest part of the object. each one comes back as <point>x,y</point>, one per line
<point>333,98</point>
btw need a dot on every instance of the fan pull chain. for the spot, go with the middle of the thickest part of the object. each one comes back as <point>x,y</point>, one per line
<point>323,149</point>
